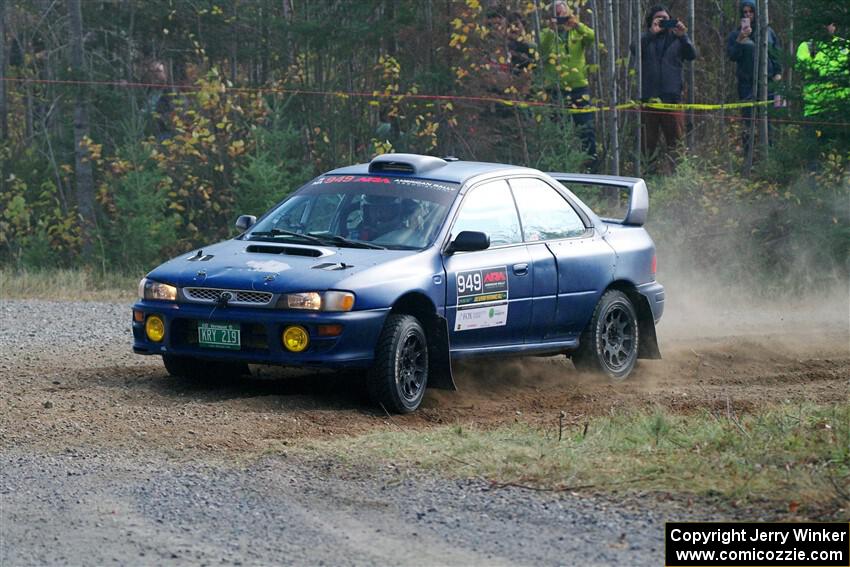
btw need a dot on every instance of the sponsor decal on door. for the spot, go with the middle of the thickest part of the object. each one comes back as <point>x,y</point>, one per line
<point>482,298</point>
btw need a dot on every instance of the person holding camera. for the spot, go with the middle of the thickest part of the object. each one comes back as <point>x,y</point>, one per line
<point>562,57</point>
<point>665,46</point>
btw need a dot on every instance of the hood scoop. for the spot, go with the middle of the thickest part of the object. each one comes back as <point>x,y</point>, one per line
<point>288,250</point>
<point>332,266</point>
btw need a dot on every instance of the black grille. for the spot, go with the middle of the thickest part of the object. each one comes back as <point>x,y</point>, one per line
<point>239,297</point>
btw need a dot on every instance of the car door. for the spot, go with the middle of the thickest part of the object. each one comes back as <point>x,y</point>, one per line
<point>584,262</point>
<point>488,292</point>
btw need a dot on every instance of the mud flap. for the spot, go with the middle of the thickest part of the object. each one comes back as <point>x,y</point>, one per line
<point>648,347</point>
<point>439,358</point>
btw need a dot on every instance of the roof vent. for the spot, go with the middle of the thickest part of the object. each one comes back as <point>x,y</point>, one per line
<point>405,163</point>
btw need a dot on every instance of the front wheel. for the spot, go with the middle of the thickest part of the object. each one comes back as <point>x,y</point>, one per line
<point>609,345</point>
<point>398,379</point>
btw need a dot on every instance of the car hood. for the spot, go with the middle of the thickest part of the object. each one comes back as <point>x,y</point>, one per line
<point>273,267</point>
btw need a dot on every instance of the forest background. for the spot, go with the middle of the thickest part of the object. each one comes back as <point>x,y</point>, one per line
<point>96,174</point>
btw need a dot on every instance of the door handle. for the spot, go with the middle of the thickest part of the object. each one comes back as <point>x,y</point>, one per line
<point>521,269</point>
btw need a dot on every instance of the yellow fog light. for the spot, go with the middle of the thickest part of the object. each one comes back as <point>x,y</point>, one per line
<point>295,338</point>
<point>155,328</point>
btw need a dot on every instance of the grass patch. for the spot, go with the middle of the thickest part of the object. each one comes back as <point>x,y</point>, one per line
<point>790,458</point>
<point>63,284</point>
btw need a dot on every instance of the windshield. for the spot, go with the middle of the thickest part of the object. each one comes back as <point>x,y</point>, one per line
<point>361,211</point>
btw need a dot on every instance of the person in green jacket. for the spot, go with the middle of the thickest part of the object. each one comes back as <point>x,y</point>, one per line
<point>562,57</point>
<point>825,64</point>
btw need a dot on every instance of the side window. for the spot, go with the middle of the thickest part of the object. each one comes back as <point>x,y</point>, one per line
<point>545,214</point>
<point>489,208</point>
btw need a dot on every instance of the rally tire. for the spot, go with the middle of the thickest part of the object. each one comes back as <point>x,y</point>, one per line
<point>399,376</point>
<point>609,344</point>
<point>197,370</point>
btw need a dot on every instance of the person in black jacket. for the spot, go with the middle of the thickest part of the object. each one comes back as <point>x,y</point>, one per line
<point>742,45</point>
<point>665,46</point>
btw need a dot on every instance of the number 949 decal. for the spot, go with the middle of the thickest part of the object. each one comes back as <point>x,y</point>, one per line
<point>482,286</point>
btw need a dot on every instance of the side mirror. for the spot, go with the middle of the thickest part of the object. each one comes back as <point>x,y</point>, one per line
<point>469,241</point>
<point>244,222</point>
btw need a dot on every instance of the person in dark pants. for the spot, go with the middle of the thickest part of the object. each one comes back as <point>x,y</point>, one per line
<point>161,100</point>
<point>562,56</point>
<point>742,45</point>
<point>519,49</point>
<point>665,46</point>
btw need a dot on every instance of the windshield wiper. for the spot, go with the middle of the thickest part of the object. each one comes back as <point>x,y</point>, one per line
<point>336,239</point>
<point>318,238</point>
<point>280,232</point>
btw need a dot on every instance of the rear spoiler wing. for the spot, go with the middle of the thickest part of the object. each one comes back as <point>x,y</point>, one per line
<point>638,193</point>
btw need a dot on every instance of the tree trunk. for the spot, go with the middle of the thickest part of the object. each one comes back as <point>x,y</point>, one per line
<point>234,44</point>
<point>691,77</point>
<point>288,14</point>
<point>598,117</point>
<point>612,75</point>
<point>639,89</point>
<point>537,22</point>
<point>792,48</point>
<point>764,16</point>
<point>82,157</point>
<point>751,123</point>
<point>4,125</point>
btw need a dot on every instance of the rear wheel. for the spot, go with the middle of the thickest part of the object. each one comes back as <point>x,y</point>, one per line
<point>609,345</point>
<point>199,370</point>
<point>399,376</point>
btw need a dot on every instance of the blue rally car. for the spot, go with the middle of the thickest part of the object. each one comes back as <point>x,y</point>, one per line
<point>403,264</point>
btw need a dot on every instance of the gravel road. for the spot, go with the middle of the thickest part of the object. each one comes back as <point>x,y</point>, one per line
<point>104,459</point>
<point>94,470</point>
<point>86,507</point>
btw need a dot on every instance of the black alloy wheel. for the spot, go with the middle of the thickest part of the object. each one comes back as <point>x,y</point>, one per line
<point>609,345</point>
<point>412,366</point>
<point>398,379</point>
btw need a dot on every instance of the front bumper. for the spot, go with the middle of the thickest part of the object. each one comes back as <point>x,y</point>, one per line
<point>654,294</point>
<point>261,332</point>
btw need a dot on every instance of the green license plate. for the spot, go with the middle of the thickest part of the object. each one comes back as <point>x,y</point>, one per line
<point>219,335</point>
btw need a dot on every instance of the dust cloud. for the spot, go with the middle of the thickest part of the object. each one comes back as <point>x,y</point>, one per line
<point>743,338</point>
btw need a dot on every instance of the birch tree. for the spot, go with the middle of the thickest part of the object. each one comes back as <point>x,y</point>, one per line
<point>4,126</point>
<point>612,77</point>
<point>638,24</point>
<point>691,77</point>
<point>751,122</point>
<point>82,156</point>
<point>764,16</point>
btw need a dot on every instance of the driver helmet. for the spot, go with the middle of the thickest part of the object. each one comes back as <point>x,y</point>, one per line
<point>378,209</point>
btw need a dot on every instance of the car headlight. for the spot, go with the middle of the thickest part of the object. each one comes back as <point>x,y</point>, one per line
<point>317,301</point>
<point>149,289</point>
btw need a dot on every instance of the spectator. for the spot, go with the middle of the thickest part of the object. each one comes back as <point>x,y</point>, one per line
<point>497,76</point>
<point>160,102</point>
<point>562,55</point>
<point>665,46</point>
<point>521,55</point>
<point>825,64</point>
<point>742,46</point>
<point>508,58</point>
